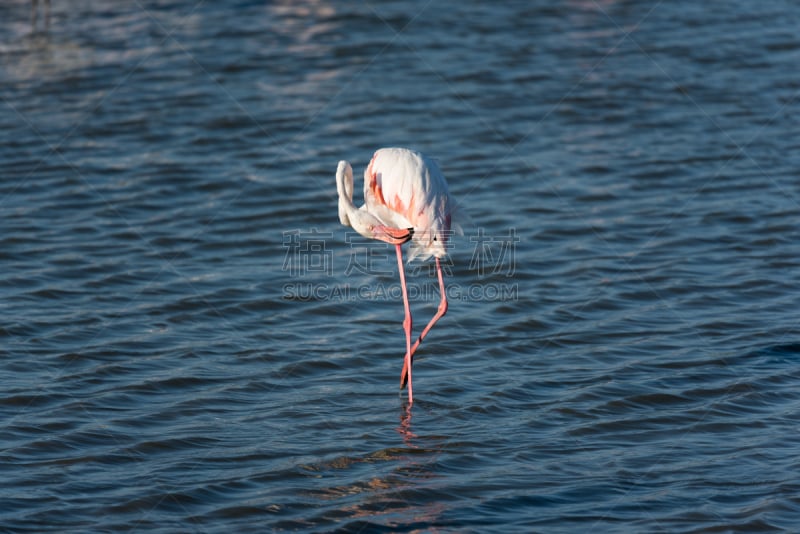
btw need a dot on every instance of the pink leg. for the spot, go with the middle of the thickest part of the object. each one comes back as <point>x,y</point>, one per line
<point>439,313</point>
<point>406,322</point>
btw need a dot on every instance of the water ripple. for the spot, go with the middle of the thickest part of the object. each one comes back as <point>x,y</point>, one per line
<point>191,340</point>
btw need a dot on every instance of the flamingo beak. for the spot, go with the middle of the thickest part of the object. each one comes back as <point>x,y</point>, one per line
<point>394,236</point>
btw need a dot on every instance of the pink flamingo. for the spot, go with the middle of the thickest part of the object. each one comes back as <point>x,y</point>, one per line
<point>405,199</point>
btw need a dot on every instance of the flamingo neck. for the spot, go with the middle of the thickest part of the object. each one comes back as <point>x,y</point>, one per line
<point>344,187</point>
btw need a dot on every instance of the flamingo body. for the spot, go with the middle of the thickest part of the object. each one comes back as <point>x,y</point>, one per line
<point>407,189</point>
<point>405,199</point>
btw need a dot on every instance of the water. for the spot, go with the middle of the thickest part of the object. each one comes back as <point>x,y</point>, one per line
<point>191,342</point>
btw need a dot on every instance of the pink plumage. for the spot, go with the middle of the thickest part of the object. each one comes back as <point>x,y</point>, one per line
<point>406,189</point>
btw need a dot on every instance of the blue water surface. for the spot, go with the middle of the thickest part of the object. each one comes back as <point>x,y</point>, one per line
<point>190,341</point>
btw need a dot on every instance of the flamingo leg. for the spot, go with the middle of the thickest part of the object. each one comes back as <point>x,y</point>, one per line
<point>406,322</point>
<point>439,313</point>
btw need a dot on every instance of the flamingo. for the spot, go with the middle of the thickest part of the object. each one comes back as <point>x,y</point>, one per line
<point>405,199</point>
